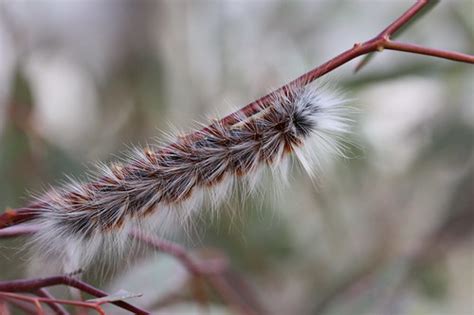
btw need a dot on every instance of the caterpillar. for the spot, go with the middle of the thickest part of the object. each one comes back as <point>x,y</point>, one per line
<point>162,185</point>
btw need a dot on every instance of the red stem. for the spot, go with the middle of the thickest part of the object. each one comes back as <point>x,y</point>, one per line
<point>37,301</point>
<point>404,18</point>
<point>231,296</point>
<point>178,251</point>
<point>212,271</point>
<point>57,308</point>
<point>375,44</point>
<point>25,307</point>
<point>411,48</point>
<point>30,285</point>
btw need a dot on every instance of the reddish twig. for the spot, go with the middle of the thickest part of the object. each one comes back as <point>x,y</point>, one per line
<point>210,267</point>
<point>4,309</point>
<point>37,305</point>
<point>26,308</point>
<point>211,270</point>
<point>38,300</point>
<point>416,49</point>
<point>57,308</point>
<point>231,296</point>
<point>373,45</point>
<point>407,16</point>
<point>31,285</point>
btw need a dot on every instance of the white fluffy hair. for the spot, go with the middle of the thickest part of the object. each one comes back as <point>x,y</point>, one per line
<point>161,186</point>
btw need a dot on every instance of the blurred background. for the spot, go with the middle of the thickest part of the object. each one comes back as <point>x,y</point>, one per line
<point>386,231</point>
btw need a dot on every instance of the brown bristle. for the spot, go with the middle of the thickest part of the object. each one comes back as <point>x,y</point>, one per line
<point>118,170</point>
<point>150,154</point>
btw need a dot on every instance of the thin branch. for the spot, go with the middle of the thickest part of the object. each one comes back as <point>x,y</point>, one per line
<point>395,29</point>
<point>57,308</point>
<point>4,309</point>
<point>405,18</point>
<point>231,296</point>
<point>25,307</point>
<point>421,50</point>
<point>215,266</point>
<point>38,300</point>
<point>357,50</point>
<point>38,309</point>
<point>31,285</point>
<point>211,270</point>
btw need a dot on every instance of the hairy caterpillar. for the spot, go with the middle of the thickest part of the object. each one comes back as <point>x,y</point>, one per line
<point>160,185</point>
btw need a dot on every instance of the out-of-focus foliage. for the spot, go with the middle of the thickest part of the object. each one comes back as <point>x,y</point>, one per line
<point>386,231</point>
